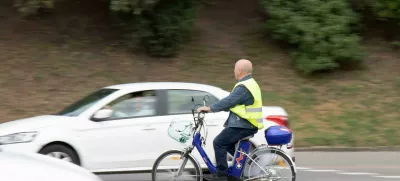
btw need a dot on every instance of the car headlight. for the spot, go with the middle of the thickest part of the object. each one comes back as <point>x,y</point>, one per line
<point>22,137</point>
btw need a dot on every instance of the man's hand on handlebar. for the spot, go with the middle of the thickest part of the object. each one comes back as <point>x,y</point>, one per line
<point>204,109</point>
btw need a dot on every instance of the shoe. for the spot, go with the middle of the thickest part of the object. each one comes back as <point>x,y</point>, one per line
<point>215,177</point>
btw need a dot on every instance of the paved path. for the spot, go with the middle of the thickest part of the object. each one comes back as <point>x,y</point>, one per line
<point>350,165</point>
<point>327,166</point>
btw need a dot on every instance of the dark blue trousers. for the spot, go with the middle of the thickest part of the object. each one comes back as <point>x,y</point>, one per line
<point>225,142</point>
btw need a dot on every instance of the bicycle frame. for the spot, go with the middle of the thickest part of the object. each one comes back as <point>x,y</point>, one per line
<point>240,165</point>
<point>241,154</point>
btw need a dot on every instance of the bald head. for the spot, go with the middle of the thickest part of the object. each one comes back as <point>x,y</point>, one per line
<point>245,66</point>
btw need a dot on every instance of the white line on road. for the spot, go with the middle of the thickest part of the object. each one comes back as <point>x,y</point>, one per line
<point>398,177</point>
<point>307,169</point>
<point>322,170</point>
<point>302,168</point>
<point>357,173</point>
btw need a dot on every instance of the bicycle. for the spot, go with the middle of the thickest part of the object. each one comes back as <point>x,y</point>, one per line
<point>244,160</point>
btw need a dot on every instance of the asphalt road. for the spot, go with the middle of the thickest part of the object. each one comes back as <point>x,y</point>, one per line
<point>326,166</point>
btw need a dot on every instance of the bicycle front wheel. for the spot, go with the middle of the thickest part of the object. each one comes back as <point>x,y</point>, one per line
<point>172,165</point>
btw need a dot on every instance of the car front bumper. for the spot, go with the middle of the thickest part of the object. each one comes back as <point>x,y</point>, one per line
<point>21,147</point>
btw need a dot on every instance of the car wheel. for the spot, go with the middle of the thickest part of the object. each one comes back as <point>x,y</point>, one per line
<point>61,152</point>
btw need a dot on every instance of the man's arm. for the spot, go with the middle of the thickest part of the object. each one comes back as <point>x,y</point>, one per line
<point>237,96</point>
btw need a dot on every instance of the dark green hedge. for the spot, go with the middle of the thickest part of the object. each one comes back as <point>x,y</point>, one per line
<point>320,30</point>
<point>162,30</point>
<point>385,9</point>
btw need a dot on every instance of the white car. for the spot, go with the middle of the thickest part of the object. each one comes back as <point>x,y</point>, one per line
<point>130,137</point>
<point>35,167</point>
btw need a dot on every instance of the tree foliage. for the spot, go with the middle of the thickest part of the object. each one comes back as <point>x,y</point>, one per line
<point>387,13</point>
<point>158,26</point>
<point>162,29</point>
<point>31,7</point>
<point>132,6</point>
<point>320,31</point>
<point>385,9</point>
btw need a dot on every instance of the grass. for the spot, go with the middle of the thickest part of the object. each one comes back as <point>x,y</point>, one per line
<point>350,108</point>
<point>358,108</point>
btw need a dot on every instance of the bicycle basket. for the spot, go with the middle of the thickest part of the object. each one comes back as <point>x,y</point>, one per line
<point>180,131</point>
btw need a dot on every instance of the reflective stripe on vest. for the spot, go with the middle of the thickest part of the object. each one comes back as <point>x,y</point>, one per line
<point>252,113</point>
<point>259,109</point>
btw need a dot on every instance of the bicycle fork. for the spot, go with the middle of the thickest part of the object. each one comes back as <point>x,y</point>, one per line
<point>183,164</point>
<point>184,161</point>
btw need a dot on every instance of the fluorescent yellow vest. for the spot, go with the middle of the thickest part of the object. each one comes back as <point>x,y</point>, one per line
<point>252,113</point>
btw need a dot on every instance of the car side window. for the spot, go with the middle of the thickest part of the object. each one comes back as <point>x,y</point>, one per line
<point>180,101</point>
<point>137,104</point>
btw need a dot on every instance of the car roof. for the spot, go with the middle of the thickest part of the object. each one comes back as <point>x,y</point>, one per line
<point>163,85</point>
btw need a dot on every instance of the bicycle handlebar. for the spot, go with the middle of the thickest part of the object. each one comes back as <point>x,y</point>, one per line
<point>201,114</point>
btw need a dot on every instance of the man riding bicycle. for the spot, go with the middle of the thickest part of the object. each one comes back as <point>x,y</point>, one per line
<point>245,117</point>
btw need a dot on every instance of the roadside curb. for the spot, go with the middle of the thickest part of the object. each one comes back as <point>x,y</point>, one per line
<point>347,149</point>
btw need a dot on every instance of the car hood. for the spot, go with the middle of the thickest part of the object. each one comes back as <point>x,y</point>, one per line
<point>17,166</point>
<point>32,123</point>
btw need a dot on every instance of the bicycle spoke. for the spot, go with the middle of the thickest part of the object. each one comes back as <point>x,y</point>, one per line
<point>266,165</point>
<point>269,166</point>
<point>171,166</point>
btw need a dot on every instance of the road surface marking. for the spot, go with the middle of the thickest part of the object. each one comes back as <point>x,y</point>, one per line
<point>322,170</point>
<point>354,166</point>
<point>377,175</point>
<point>302,168</point>
<point>398,177</point>
<point>357,173</point>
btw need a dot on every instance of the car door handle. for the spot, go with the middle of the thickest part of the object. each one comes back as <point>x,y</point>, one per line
<point>149,128</point>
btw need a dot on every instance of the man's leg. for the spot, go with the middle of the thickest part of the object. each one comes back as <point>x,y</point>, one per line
<point>223,143</point>
<point>231,150</point>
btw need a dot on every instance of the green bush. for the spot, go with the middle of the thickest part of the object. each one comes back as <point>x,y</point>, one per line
<point>164,28</point>
<point>31,7</point>
<point>385,9</point>
<point>380,16</point>
<point>389,12</point>
<point>132,6</point>
<point>321,32</point>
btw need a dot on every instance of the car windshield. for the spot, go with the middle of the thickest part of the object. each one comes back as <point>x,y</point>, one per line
<point>78,107</point>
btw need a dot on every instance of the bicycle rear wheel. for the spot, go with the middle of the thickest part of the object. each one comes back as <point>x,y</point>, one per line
<point>164,166</point>
<point>266,163</point>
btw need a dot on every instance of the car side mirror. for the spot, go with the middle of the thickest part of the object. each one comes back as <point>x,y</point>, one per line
<point>102,114</point>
